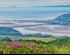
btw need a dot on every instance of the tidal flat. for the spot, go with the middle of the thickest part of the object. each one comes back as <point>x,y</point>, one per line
<point>36,26</point>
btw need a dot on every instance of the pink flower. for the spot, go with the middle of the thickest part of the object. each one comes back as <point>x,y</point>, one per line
<point>13,44</point>
<point>31,45</point>
<point>26,45</point>
<point>17,45</point>
<point>10,48</point>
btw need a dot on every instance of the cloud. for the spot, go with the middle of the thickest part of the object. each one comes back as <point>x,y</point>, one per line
<point>33,2</point>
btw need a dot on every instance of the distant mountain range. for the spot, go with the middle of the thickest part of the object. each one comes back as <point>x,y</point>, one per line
<point>53,6</point>
<point>61,20</point>
<point>59,6</point>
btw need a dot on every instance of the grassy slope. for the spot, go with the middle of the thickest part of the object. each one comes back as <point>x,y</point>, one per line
<point>58,46</point>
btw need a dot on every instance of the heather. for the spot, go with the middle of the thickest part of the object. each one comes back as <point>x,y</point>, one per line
<point>29,46</point>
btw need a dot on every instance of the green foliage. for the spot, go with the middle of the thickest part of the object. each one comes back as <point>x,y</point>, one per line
<point>58,46</point>
<point>60,41</point>
<point>6,39</point>
<point>38,35</point>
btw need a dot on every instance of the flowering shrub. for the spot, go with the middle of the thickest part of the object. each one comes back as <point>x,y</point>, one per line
<point>26,48</point>
<point>59,46</point>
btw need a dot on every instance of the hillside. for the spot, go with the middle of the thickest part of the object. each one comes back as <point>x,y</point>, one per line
<point>57,46</point>
<point>9,31</point>
<point>62,20</point>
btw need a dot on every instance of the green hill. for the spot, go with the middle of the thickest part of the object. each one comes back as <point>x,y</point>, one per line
<point>62,20</point>
<point>9,31</point>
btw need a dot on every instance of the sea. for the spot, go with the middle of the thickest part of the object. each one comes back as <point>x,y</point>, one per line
<point>36,13</point>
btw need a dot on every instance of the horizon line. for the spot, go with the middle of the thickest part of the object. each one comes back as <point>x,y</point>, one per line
<point>34,6</point>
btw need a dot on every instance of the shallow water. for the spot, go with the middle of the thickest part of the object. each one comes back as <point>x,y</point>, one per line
<point>56,33</point>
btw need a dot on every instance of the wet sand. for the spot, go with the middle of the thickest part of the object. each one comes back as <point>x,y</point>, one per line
<point>32,27</point>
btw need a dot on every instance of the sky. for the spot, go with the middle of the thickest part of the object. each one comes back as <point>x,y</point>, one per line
<point>27,3</point>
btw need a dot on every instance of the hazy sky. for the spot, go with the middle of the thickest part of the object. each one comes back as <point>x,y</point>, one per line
<point>25,3</point>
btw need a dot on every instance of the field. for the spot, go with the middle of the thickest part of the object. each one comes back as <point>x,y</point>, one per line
<point>39,39</point>
<point>35,46</point>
